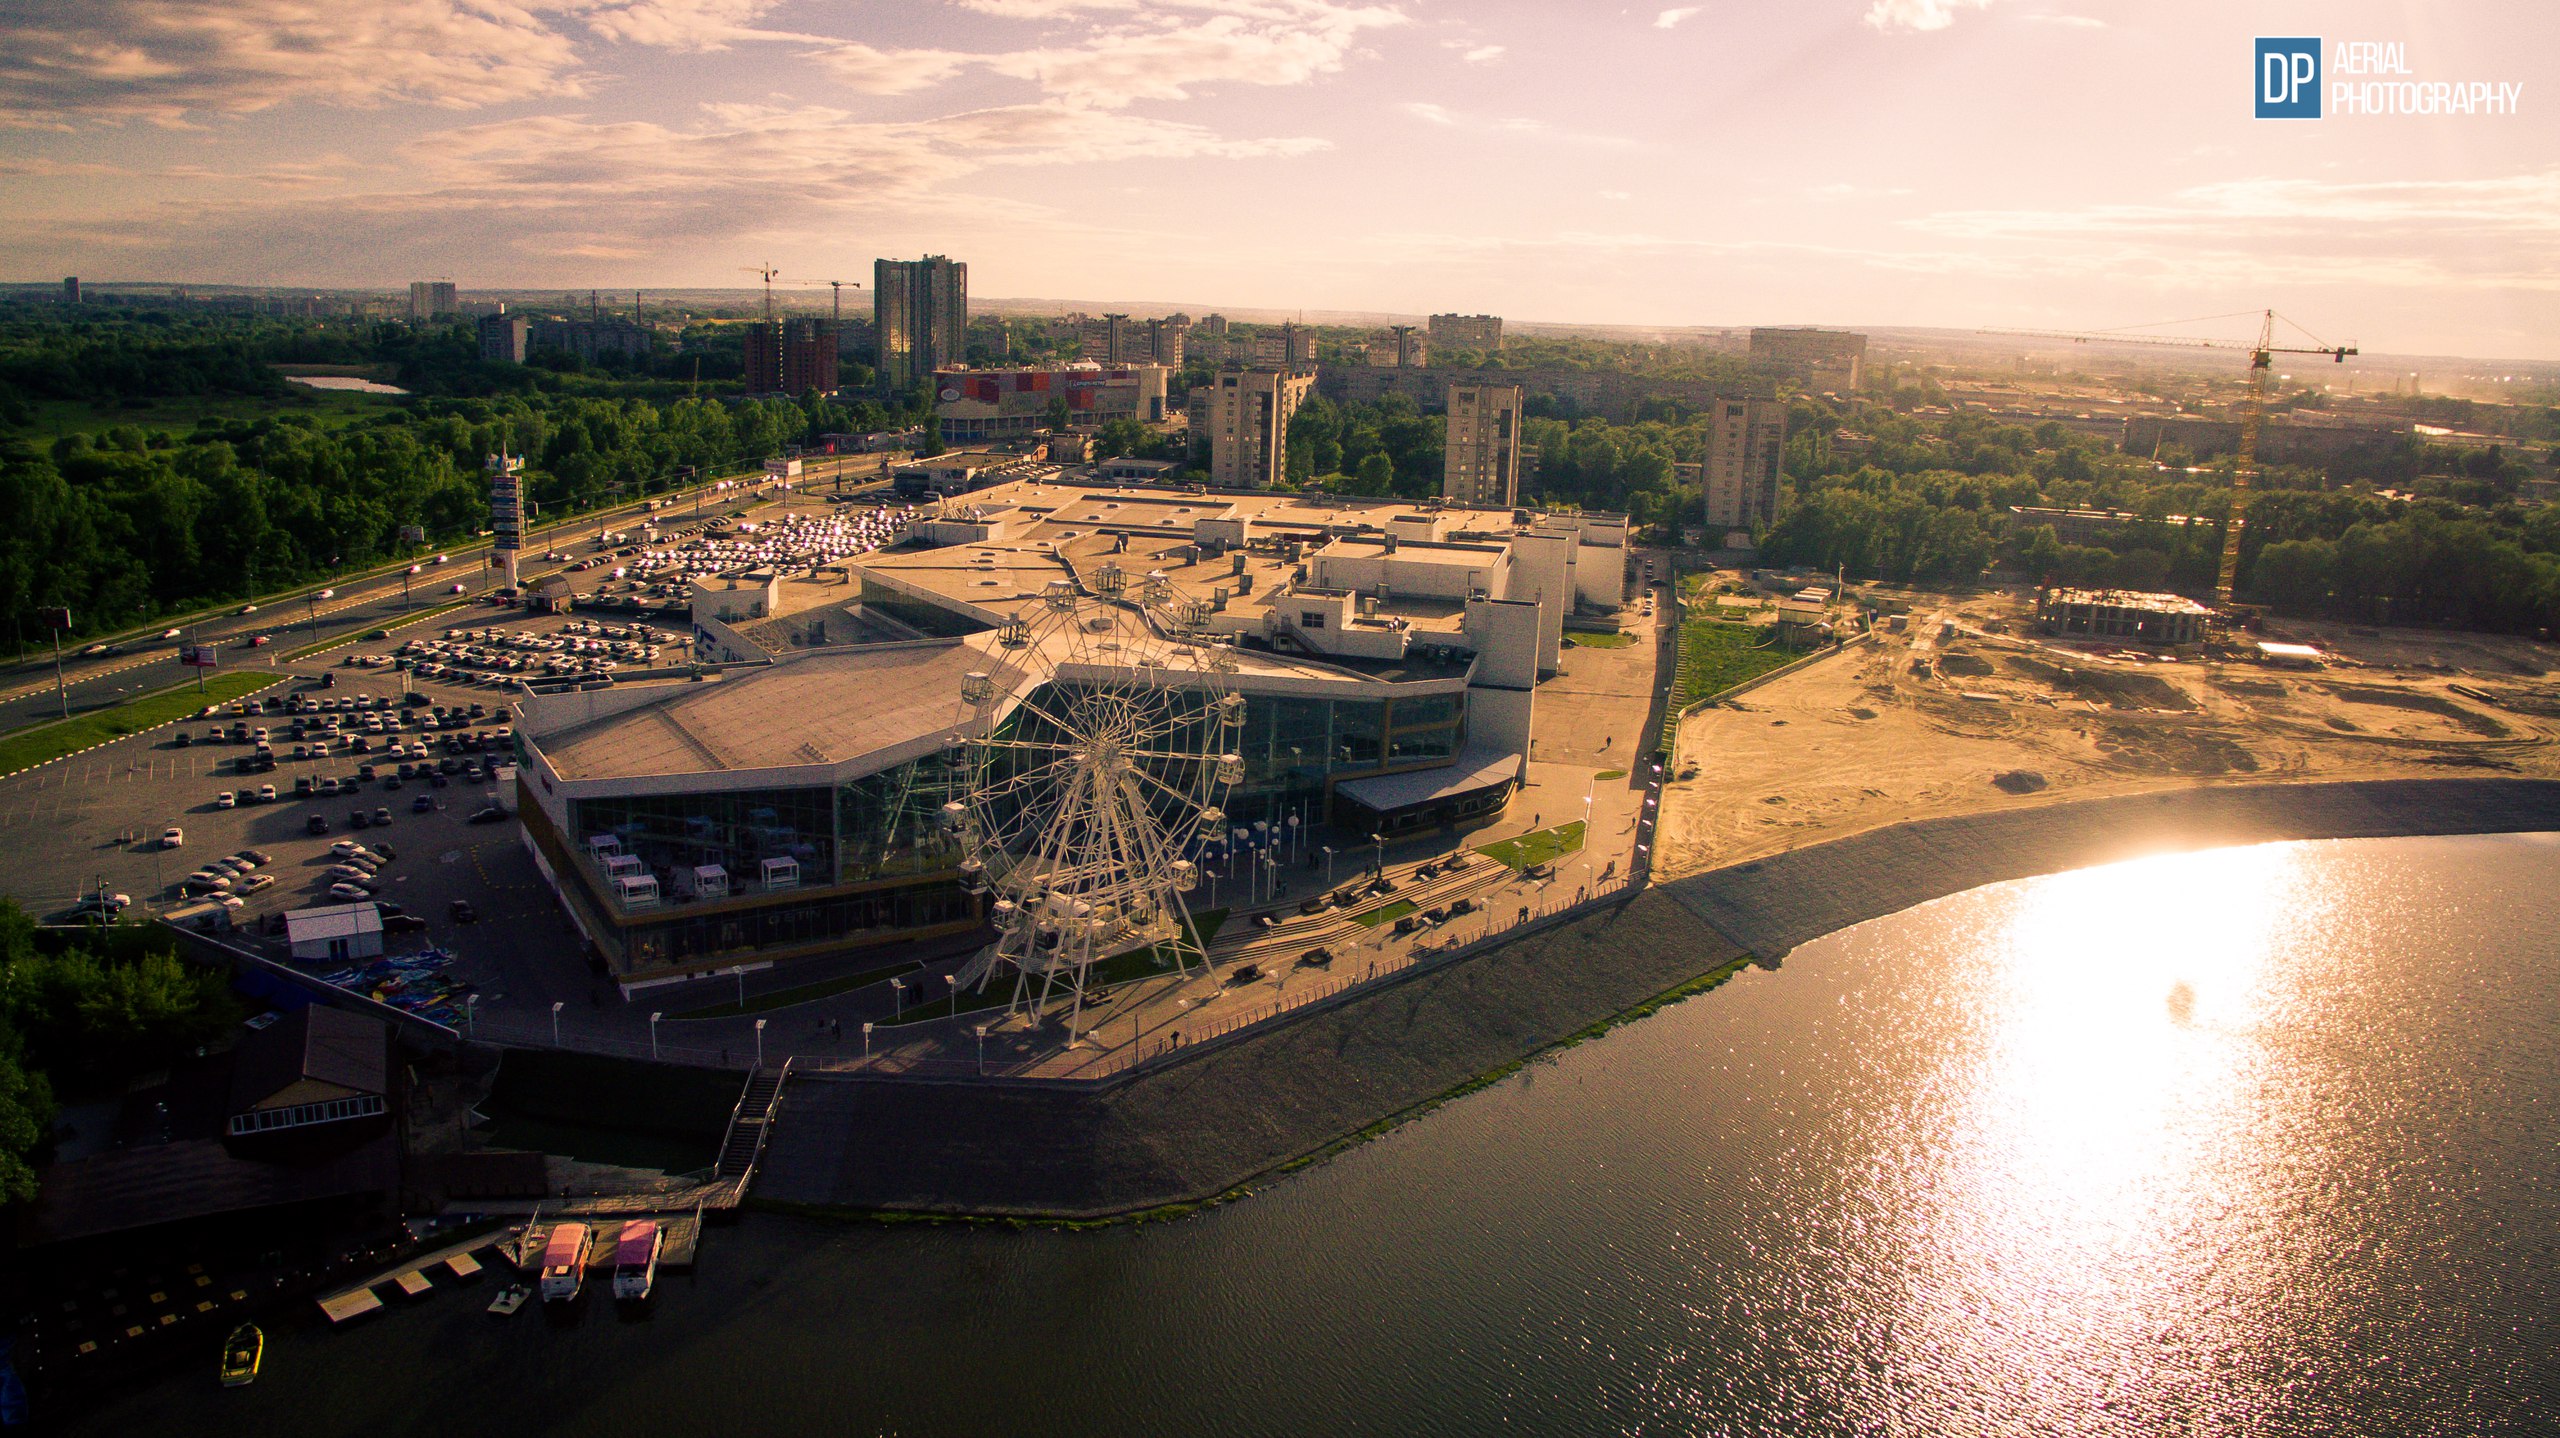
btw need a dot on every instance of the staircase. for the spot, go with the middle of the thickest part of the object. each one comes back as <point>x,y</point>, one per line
<point>749,1123</point>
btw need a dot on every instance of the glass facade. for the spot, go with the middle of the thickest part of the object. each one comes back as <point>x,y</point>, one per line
<point>1292,746</point>
<point>839,918</point>
<point>924,618</point>
<point>889,822</point>
<point>737,831</point>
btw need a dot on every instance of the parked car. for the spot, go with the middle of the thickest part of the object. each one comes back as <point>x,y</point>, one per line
<point>1316,959</point>
<point>403,924</point>
<point>461,912</point>
<point>350,893</point>
<point>254,883</point>
<point>316,824</point>
<point>226,800</point>
<point>266,793</point>
<point>357,818</point>
<point>382,817</point>
<point>490,815</point>
<point>173,837</point>
<point>423,804</point>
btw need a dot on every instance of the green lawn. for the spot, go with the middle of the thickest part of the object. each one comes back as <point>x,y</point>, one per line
<point>179,415</point>
<point>805,993</point>
<point>1386,914</point>
<point>52,741</point>
<point>1598,641</point>
<point>1538,846</point>
<point>1715,656</point>
<point>1605,775</point>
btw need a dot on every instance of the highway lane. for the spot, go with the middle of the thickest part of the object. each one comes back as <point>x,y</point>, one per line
<point>149,663</point>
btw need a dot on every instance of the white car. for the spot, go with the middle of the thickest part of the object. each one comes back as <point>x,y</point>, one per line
<point>226,800</point>
<point>248,609</point>
<point>350,893</point>
<point>326,594</point>
<point>169,634</point>
<point>172,837</point>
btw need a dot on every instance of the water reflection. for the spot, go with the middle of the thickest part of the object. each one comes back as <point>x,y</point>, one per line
<point>2258,1142</point>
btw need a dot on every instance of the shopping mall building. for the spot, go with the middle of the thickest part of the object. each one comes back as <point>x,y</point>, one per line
<point>784,800</point>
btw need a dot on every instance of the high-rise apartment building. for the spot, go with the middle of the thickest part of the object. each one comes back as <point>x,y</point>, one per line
<point>504,338</point>
<point>792,357</point>
<point>1480,461</point>
<point>920,309</point>
<point>1828,358</point>
<point>431,299</point>
<point>1466,332</point>
<point>1120,340</point>
<point>1248,414</point>
<point>1746,439</point>
<point>71,289</point>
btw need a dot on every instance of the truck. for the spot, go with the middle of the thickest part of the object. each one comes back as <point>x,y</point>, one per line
<point>564,1263</point>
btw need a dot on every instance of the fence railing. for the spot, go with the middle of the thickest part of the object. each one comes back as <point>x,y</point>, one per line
<point>1035,1057</point>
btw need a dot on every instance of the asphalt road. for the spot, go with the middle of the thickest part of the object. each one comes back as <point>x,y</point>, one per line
<point>150,663</point>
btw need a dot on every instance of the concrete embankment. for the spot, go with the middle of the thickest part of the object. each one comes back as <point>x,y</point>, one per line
<point>1198,1128</point>
<point>1202,1127</point>
<point>1771,905</point>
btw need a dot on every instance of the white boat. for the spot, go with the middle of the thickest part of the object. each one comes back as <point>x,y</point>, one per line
<point>510,1300</point>
<point>635,1259</point>
<point>564,1263</point>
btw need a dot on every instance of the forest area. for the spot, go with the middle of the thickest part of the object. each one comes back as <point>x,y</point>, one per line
<point>135,521</point>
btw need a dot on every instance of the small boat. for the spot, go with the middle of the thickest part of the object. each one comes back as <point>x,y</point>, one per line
<point>241,1354</point>
<point>564,1263</point>
<point>511,1300</point>
<point>635,1259</point>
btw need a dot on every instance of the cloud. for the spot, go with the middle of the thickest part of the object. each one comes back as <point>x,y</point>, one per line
<point>2074,22</point>
<point>1616,195</point>
<point>166,60</point>
<point>1670,19</point>
<point>1426,111</point>
<point>1174,48</point>
<point>676,24</point>
<point>871,71</point>
<point>1920,14</point>
<point>1482,53</point>
<point>567,187</point>
<point>2502,232</point>
<point>1841,190</point>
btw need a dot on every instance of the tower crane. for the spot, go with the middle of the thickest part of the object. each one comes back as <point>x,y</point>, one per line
<point>839,288</point>
<point>2252,412</point>
<point>768,272</point>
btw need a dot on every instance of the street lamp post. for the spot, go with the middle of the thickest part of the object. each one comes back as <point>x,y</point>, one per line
<point>982,1050</point>
<point>1328,866</point>
<point>1380,842</point>
<point>653,1036</point>
<point>759,1043</point>
<point>951,986</point>
<point>555,1023</point>
<point>866,1040</point>
<point>471,1015</point>
<point>897,997</point>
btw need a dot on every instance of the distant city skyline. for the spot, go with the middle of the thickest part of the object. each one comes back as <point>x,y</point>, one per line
<point>1875,163</point>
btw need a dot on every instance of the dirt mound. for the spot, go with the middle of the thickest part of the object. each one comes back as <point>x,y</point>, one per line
<point>2018,781</point>
<point>2103,686</point>
<point>1963,666</point>
<point>2471,719</point>
<point>2148,749</point>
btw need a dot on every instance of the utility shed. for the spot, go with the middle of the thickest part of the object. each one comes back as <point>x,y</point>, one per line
<point>335,932</point>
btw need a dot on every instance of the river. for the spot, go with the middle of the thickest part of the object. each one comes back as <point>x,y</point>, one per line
<point>2260,1141</point>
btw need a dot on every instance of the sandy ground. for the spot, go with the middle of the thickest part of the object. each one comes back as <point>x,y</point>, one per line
<point>1999,718</point>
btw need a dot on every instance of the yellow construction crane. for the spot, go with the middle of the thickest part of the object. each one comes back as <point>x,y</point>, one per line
<point>2252,411</point>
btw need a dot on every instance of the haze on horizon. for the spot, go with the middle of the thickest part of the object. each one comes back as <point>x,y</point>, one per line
<point>2065,163</point>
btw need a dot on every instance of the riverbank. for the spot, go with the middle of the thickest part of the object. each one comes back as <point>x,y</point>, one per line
<point>1207,1127</point>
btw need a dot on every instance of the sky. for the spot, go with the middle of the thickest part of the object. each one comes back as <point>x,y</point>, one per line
<point>2076,164</point>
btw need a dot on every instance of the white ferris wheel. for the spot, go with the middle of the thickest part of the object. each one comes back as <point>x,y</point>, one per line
<point>1085,804</point>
